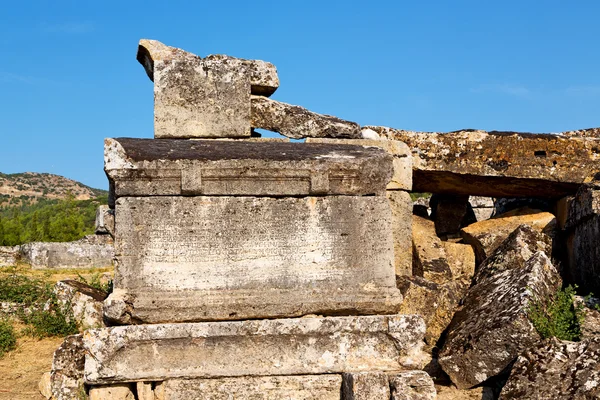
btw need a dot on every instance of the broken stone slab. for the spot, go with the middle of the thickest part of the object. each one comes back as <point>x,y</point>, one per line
<point>146,167</point>
<point>514,251</point>
<point>112,392</point>
<point>229,258</point>
<point>298,387</point>
<point>402,158</point>
<point>412,385</point>
<point>297,122</point>
<point>401,206</point>
<point>498,164</point>
<point>66,377</point>
<point>263,75</point>
<point>486,236</point>
<point>493,326</point>
<point>556,369</point>
<point>436,303</point>
<point>301,346</point>
<point>450,213</point>
<point>77,254</point>
<point>84,301</point>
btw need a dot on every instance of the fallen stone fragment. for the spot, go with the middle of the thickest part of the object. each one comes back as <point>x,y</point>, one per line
<point>254,348</point>
<point>112,392</point>
<point>514,251</point>
<point>300,387</point>
<point>253,257</point>
<point>486,236</point>
<point>450,213</point>
<point>402,158</point>
<point>436,303</point>
<point>365,386</point>
<point>412,385</point>
<point>297,122</point>
<point>493,327</point>
<point>67,369</point>
<point>146,167</point>
<point>498,164</point>
<point>556,369</point>
<point>84,301</point>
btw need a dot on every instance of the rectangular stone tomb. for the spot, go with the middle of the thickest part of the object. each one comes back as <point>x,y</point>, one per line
<point>224,258</point>
<point>146,167</point>
<point>299,387</point>
<point>302,346</point>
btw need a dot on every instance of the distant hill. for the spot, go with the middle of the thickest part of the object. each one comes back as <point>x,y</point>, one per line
<point>29,187</point>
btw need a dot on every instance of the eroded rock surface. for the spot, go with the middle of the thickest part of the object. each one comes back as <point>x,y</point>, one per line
<point>555,369</point>
<point>493,328</point>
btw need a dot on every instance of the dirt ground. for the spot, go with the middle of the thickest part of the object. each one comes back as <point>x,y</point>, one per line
<point>22,368</point>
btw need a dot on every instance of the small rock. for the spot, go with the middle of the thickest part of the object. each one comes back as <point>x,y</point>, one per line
<point>556,369</point>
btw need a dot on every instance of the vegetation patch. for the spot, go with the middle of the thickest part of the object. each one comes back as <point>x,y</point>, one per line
<point>558,317</point>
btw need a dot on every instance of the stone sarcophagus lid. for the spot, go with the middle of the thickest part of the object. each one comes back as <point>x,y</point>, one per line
<point>209,230</point>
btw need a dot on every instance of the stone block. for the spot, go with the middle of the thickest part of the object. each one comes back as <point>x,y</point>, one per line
<point>299,387</point>
<point>493,327</point>
<point>230,258</point>
<point>301,346</point>
<point>498,164</point>
<point>145,167</point>
<point>412,385</point>
<point>402,158</point>
<point>297,122</point>
<point>365,386</point>
<point>401,206</point>
<point>429,257</point>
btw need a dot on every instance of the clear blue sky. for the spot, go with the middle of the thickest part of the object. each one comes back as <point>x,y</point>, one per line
<point>69,78</point>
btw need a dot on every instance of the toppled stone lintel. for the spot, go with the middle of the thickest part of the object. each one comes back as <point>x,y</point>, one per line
<point>498,164</point>
<point>253,257</point>
<point>146,167</point>
<point>298,122</point>
<point>254,348</point>
<point>263,75</point>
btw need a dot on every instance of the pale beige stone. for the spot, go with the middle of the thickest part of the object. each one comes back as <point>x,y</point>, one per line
<point>146,167</point>
<point>9,255</point>
<point>365,386</point>
<point>401,205</point>
<point>299,387</point>
<point>77,254</point>
<point>112,392</point>
<point>402,158</point>
<point>230,258</point>
<point>254,348</point>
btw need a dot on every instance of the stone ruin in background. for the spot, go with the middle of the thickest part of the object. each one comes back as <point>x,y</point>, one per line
<point>260,268</point>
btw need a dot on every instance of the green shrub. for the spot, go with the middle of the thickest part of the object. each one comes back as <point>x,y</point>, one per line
<point>558,317</point>
<point>8,338</point>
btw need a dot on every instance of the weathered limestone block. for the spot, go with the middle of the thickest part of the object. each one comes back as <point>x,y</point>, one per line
<point>365,386</point>
<point>402,158</point>
<point>67,369</point>
<point>254,348</point>
<point>514,251</point>
<point>583,229</point>
<point>493,327</point>
<point>498,164</point>
<point>263,75</point>
<point>112,392</point>
<point>202,97</point>
<point>461,260</point>
<point>486,236</point>
<point>299,387</point>
<point>145,167</point>
<point>230,258</point>
<point>401,205</point>
<point>297,122</point>
<point>85,302</point>
<point>76,254</point>
<point>412,385</point>
<point>105,220</point>
<point>555,369</point>
<point>9,255</point>
<point>450,213</point>
<point>436,303</point>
